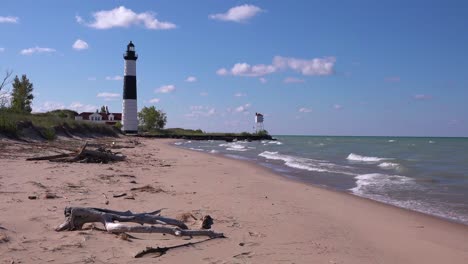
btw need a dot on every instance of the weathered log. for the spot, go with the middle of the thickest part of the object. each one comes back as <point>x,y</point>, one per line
<point>79,155</point>
<point>76,217</point>
<point>50,157</point>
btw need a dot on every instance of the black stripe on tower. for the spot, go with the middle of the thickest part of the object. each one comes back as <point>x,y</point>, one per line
<point>130,87</point>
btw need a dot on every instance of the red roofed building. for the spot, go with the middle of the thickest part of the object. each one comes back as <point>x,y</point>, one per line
<point>105,117</point>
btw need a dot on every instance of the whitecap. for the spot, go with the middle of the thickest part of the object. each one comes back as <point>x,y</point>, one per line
<point>197,149</point>
<point>234,146</point>
<point>306,164</point>
<point>178,143</point>
<point>391,140</point>
<point>389,165</point>
<point>378,182</point>
<point>356,157</point>
<point>275,142</point>
<point>214,151</point>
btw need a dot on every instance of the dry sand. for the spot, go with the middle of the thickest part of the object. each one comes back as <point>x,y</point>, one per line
<point>266,218</point>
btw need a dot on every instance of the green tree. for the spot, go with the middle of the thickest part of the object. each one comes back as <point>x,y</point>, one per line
<point>151,118</point>
<point>21,95</point>
<point>103,109</point>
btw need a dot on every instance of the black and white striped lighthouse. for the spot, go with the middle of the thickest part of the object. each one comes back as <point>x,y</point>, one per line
<point>129,107</point>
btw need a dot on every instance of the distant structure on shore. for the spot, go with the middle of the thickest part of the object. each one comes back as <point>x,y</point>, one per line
<point>259,122</point>
<point>129,104</point>
<point>100,117</point>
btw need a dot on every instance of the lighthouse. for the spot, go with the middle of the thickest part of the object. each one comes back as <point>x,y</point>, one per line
<point>129,105</point>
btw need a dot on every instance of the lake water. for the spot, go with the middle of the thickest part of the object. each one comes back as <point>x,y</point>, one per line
<point>429,175</point>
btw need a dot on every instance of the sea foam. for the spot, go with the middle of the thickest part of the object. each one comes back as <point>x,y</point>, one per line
<point>367,184</point>
<point>389,165</point>
<point>234,146</point>
<point>356,157</point>
<point>305,163</point>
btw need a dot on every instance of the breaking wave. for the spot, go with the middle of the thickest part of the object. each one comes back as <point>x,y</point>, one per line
<point>356,157</point>
<point>234,146</point>
<point>389,166</point>
<point>368,184</point>
<point>305,163</point>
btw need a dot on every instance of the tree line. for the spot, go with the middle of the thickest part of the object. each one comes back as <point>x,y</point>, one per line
<point>20,100</point>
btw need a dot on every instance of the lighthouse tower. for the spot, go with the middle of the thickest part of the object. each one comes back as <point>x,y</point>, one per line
<point>129,107</point>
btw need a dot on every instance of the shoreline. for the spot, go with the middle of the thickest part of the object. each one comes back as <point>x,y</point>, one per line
<point>279,176</point>
<point>266,217</point>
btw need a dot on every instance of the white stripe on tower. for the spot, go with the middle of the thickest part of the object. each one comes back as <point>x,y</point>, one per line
<point>130,68</point>
<point>129,105</point>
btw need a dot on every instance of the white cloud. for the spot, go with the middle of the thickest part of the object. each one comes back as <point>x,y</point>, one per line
<point>199,110</point>
<point>48,106</point>
<point>108,96</point>
<point>222,72</point>
<point>245,69</point>
<point>154,100</point>
<point>262,80</point>
<point>9,19</point>
<point>293,80</point>
<point>392,79</point>
<point>36,49</point>
<point>422,97</point>
<point>191,79</point>
<point>317,66</point>
<point>240,13</point>
<point>79,19</point>
<point>166,89</point>
<point>337,106</point>
<point>242,108</point>
<point>80,45</point>
<point>2,49</point>
<point>239,94</point>
<point>114,78</point>
<point>79,107</point>
<point>124,17</point>
<point>305,110</point>
<point>76,106</point>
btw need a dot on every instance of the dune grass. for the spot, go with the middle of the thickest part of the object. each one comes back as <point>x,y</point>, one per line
<point>48,125</point>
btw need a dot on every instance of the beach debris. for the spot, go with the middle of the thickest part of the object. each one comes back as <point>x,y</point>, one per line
<point>49,195</point>
<point>185,217</point>
<point>107,199</point>
<point>147,188</point>
<point>84,155</point>
<point>32,197</point>
<point>113,221</point>
<point>117,195</point>
<point>207,222</point>
<point>4,238</point>
<point>159,251</point>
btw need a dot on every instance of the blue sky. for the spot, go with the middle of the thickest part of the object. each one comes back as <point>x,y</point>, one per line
<point>312,67</point>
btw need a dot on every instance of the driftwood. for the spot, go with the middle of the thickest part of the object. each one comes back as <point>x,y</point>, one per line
<point>163,250</point>
<point>83,155</point>
<point>76,217</point>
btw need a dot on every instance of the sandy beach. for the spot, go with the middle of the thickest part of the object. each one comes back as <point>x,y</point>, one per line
<point>265,217</point>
